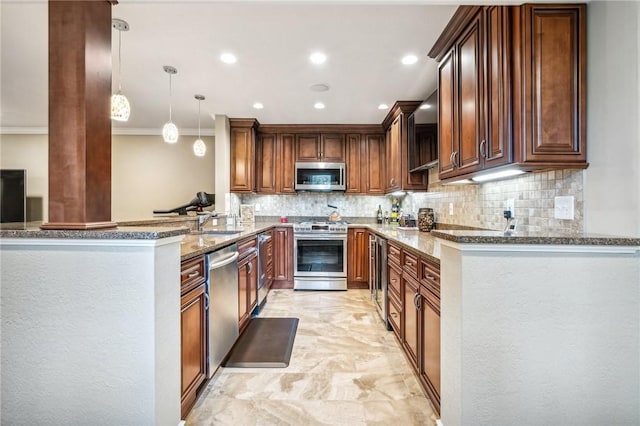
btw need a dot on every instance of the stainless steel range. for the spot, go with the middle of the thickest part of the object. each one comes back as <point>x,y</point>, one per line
<point>320,256</point>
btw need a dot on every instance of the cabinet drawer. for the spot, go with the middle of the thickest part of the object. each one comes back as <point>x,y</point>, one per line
<point>394,315</point>
<point>393,254</point>
<point>410,264</point>
<point>430,275</point>
<point>192,273</point>
<point>394,279</point>
<point>245,246</point>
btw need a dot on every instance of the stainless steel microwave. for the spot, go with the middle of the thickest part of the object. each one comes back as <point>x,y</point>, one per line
<point>317,176</point>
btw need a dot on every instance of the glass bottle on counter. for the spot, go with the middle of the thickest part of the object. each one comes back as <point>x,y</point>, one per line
<point>379,214</point>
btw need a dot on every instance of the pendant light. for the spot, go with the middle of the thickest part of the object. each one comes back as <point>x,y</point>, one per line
<point>120,109</point>
<point>199,148</point>
<point>169,130</point>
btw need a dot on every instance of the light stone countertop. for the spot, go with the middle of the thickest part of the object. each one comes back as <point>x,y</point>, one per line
<point>119,233</point>
<point>542,238</point>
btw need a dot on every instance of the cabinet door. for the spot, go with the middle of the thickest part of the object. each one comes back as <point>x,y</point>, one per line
<point>308,147</point>
<point>242,155</point>
<point>243,292</point>
<point>355,167</point>
<point>283,256</point>
<point>266,164</point>
<point>393,155</point>
<point>374,164</point>
<point>286,164</point>
<point>553,83</point>
<point>357,255</point>
<point>446,119</point>
<point>332,148</point>
<point>496,145</point>
<point>469,98</point>
<point>430,345</point>
<point>410,289</point>
<point>252,279</point>
<point>193,345</point>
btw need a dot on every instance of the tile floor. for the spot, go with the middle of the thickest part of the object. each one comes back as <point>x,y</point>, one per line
<point>345,369</point>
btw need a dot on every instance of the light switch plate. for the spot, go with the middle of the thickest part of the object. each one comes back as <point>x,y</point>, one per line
<point>450,209</point>
<point>563,207</point>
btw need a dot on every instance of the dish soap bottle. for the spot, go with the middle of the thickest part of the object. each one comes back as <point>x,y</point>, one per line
<point>379,214</point>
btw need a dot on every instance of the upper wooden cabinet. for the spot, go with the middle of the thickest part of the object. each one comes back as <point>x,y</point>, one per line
<point>511,89</point>
<point>398,165</point>
<point>267,150</point>
<point>365,163</point>
<point>320,147</point>
<point>242,154</point>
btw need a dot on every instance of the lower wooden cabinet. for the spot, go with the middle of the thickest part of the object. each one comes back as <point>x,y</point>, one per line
<point>282,257</point>
<point>414,314</point>
<point>193,331</point>
<point>357,258</point>
<point>247,280</point>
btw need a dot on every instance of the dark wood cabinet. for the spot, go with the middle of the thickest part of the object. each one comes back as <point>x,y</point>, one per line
<point>357,258</point>
<point>247,280</point>
<point>267,164</point>
<point>282,257</point>
<point>512,89</point>
<point>193,331</point>
<point>285,164</point>
<point>398,165</point>
<point>242,154</point>
<point>320,147</point>
<point>365,164</point>
<point>429,355</point>
<point>355,167</point>
<point>410,334</point>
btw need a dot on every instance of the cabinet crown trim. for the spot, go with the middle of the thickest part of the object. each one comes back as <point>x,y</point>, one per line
<point>406,107</point>
<point>462,16</point>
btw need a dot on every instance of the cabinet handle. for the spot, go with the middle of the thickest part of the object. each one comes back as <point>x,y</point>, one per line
<point>483,146</point>
<point>408,262</point>
<point>453,166</point>
<point>394,314</point>
<point>393,280</point>
<point>392,181</point>
<point>206,300</point>
<point>193,274</point>
<point>249,267</point>
<point>415,301</point>
<point>431,277</point>
<point>455,160</point>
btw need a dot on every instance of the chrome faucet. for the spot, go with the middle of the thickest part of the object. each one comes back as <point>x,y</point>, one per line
<point>203,217</point>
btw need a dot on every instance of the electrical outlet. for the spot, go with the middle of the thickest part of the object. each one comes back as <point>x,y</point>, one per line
<point>257,206</point>
<point>563,207</point>
<point>510,206</point>
<point>450,209</point>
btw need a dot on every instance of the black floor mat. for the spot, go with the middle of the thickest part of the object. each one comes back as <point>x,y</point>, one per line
<point>266,342</point>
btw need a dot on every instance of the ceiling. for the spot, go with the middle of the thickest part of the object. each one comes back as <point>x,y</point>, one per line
<point>364,43</point>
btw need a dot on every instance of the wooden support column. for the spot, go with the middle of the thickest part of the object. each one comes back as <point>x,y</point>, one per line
<point>79,115</point>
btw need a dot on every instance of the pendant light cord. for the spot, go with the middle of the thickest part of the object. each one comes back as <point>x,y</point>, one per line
<point>169,98</point>
<point>119,61</point>
<point>199,119</point>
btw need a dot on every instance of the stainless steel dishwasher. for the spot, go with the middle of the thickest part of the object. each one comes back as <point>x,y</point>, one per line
<point>223,304</point>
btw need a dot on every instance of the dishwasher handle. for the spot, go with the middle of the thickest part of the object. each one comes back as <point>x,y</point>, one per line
<point>224,261</point>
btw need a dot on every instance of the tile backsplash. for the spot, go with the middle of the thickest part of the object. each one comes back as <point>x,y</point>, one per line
<point>479,206</point>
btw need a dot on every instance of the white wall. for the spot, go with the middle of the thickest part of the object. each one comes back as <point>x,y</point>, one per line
<point>29,152</point>
<point>612,181</point>
<point>90,331</point>
<point>146,173</point>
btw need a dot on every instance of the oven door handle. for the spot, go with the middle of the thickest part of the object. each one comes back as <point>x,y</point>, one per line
<point>320,237</point>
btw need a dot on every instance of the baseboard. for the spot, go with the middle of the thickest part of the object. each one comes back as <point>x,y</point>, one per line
<point>357,285</point>
<point>282,285</point>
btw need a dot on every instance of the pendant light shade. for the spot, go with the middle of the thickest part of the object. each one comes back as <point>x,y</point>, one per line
<point>169,130</point>
<point>120,108</point>
<point>199,147</point>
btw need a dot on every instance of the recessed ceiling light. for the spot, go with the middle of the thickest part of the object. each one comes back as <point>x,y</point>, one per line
<point>318,58</point>
<point>409,59</point>
<point>228,58</point>
<point>318,105</point>
<point>319,87</point>
<point>383,106</point>
<point>258,105</point>
<point>425,106</point>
